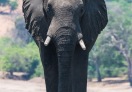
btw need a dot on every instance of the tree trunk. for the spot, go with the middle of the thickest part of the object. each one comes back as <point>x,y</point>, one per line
<point>129,60</point>
<point>130,72</point>
<point>98,71</point>
<point>11,73</point>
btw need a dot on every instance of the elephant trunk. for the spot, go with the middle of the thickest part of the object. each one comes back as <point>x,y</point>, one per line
<point>65,41</point>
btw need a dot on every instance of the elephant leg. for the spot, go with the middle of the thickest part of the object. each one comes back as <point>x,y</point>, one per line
<point>79,70</point>
<point>50,64</point>
<point>80,67</point>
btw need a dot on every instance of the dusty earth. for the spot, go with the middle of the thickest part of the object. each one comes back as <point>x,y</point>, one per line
<point>38,85</point>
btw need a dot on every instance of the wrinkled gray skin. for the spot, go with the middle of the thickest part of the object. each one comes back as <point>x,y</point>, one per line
<point>66,22</point>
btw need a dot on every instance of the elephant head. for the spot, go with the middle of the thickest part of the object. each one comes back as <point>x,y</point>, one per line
<point>65,15</point>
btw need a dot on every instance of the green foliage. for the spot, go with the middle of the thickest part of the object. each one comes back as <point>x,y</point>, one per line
<point>39,71</point>
<point>3,2</point>
<point>106,51</point>
<point>21,35</point>
<point>15,58</point>
<point>12,3</point>
<point>20,54</point>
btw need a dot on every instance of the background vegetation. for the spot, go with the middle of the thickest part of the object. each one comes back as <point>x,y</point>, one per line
<point>110,57</point>
<point>11,3</point>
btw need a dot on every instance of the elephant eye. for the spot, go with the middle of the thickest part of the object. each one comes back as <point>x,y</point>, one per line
<point>49,10</point>
<point>82,11</point>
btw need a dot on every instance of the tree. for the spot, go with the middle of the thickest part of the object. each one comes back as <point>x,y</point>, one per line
<point>95,58</point>
<point>4,2</point>
<point>113,47</point>
<point>17,58</point>
<point>13,4</point>
<point>20,34</point>
<point>119,32</point>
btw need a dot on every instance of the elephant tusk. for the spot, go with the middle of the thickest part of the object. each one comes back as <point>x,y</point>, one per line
<point>81,42</point>
<point>47,41</point>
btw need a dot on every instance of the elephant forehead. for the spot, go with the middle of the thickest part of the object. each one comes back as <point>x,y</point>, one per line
<point>67,3</point>
<point>62,3</point>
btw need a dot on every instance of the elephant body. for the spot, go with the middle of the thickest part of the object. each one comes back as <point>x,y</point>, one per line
<point>66,22</point>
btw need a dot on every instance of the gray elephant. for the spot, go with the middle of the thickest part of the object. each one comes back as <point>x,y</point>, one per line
<point>65,31</point>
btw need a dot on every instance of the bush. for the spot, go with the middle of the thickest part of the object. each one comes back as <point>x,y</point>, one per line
<point>4,2</point>
<point>13,4</point>
<point>17,58</point>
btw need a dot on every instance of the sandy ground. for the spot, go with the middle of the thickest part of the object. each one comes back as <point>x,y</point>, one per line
<point>110,85</point>
<point>38,85</point>
<point>21,86</point>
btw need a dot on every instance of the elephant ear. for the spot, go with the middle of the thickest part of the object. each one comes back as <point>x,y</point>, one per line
<point>94,19</point>
<point>35,19</point>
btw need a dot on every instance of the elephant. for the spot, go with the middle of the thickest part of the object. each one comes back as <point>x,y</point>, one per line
<point>65,32</point>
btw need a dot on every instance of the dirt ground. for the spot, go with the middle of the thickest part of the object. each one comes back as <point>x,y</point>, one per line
<point>110,85</point>
<point>38,85</point>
